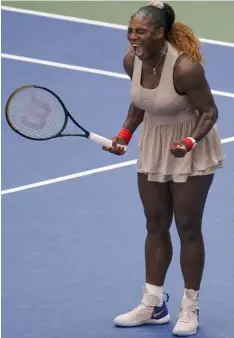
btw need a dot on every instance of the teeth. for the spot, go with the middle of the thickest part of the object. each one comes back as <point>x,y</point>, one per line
<point>139,50</point>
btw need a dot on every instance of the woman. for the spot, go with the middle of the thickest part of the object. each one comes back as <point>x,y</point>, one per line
<point>179,152</point>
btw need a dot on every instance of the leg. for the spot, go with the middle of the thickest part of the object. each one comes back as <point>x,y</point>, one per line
<point>157,203</point>
<point>189,202</point>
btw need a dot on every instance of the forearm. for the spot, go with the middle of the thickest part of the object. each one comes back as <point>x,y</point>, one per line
<point>204,124</point>
<point>134,118</point>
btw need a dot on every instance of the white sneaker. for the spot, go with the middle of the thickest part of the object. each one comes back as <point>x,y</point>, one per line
<point>148,312</point>
<point>188,321</point>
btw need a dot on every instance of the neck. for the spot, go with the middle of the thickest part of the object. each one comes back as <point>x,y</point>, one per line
<point>153,61</point>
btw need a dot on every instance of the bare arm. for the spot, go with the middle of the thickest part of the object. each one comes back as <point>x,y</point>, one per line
<point>135,115</point>
<point>190,79</point>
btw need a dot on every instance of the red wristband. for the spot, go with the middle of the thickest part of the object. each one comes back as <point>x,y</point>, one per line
<point>126,134</point>
<point>190,142</point>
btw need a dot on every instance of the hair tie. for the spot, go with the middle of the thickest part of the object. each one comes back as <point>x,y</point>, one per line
<point>158,4</point>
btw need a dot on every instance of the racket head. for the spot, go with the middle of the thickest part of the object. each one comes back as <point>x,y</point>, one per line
<point>36,113</point>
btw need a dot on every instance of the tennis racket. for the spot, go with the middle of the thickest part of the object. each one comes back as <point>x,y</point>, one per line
<point>37,113</point>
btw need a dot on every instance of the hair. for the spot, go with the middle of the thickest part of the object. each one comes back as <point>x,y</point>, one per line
<point>178,34</point>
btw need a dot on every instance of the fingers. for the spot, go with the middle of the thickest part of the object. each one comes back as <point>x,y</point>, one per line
<point>116,149</point>
<point>119,149</point>
<point>114,143</point>
<point>179,153</point>
<point>178,149</point>
<point>106,148</point>
<point>180,146</point>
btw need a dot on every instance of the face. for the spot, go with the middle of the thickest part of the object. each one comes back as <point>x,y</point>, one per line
<point>143,36</point>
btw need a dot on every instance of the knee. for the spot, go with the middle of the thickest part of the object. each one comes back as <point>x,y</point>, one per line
<point>189,229</point>
<point>158,225</point>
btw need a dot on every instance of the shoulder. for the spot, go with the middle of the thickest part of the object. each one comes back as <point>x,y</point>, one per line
<point>188,73</point>
<point>128,63</point>
<point>186,69</point>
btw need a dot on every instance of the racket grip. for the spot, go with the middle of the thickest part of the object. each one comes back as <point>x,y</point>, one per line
<point>102,140</point>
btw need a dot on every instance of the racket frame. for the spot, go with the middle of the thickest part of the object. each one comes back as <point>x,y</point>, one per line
<point>66,113</point>
<point>89,135</point>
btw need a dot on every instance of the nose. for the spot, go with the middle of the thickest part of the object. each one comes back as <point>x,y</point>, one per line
<point>132,36</point>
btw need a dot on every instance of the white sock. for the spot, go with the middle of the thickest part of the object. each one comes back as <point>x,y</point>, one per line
<point>155,291</point>
<point>191,294</point>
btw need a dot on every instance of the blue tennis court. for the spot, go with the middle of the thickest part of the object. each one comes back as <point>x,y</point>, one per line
<point>73,247</point>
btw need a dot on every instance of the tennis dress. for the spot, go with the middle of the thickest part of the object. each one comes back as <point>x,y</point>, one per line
<point>169,117</point>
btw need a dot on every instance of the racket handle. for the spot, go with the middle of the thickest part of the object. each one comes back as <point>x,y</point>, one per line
<point>102,140</point>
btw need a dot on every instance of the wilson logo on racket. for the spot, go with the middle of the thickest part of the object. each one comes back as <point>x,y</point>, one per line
<point>38,113</point>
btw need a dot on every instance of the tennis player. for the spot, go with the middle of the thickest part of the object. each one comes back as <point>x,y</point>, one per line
<point>180,150</point>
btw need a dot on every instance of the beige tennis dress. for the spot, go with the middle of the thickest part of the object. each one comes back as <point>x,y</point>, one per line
<point>169,117</point>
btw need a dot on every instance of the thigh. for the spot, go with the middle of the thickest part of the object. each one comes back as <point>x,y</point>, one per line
<point>189,200</point>
<point>156,199</point>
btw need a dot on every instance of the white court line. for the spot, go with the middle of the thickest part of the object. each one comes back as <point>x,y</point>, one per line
<point>85,69</point>
<point>96,23</point>
<point>63,65</point>
<point>82,174</point>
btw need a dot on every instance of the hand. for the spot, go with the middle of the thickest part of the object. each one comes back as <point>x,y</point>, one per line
<point>116,148</point>
<point>179,149</point>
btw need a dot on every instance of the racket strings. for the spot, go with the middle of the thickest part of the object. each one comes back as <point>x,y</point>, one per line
<point>36,113</point>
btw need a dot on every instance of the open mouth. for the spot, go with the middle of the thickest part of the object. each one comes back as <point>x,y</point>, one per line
<point>139,49</point>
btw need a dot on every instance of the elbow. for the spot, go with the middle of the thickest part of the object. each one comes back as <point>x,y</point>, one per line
<point>215,115</point>
<point>212,115</point>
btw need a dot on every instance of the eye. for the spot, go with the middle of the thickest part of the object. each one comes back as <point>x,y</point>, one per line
<point>141,31</point>
<point>129,30</point>
<point>138,31</point>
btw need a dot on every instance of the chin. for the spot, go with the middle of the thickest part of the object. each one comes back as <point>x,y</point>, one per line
<point>142,57</point>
